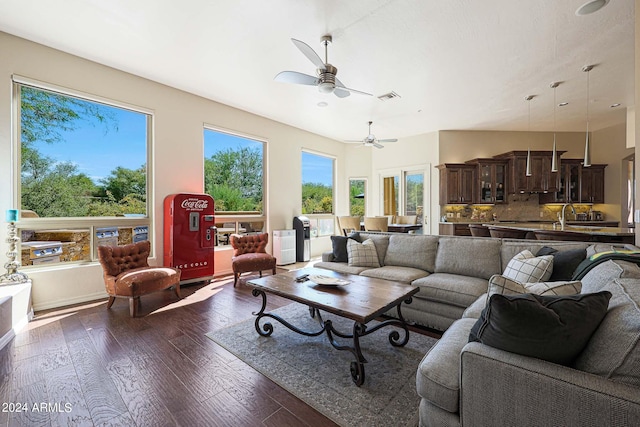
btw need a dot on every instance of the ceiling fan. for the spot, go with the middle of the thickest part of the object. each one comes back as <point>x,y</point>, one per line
<point>371,140</point>
<point>326,81</point>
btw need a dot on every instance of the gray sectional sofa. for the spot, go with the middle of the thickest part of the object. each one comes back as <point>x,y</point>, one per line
<point>469,383</point>
<point>451,271</point>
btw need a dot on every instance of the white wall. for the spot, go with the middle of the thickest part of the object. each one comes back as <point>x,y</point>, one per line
<point>178,151</point>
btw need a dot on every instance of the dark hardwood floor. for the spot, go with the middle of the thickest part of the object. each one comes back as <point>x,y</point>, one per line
<point>89,366</point>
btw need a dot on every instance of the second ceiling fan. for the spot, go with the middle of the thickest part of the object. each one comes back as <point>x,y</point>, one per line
<point>326,81</point>
<point>371,140</point>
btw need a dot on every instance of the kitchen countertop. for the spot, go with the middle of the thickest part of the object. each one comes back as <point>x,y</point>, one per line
<point>589,229</point>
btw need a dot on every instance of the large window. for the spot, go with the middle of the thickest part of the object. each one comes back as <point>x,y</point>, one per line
<point>233,172</point>
<point>317,184</point>
<point>80,157</point>
<point>234,177</point>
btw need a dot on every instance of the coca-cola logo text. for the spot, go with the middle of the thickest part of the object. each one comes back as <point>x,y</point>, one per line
<point>193,204</point>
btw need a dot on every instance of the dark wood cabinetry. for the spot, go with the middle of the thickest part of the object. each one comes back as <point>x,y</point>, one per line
<point>578,184</point>
<point>491,180</point>
<point>456,183</point>
<point>541,180</point>
<point>592,184</point>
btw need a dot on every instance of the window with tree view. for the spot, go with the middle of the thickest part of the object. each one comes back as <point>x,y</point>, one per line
<point>79,157</point>
<point>317,184</point>
<point>233,172</point>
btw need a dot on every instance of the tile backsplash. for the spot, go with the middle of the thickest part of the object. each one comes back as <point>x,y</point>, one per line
<point>521,207</point>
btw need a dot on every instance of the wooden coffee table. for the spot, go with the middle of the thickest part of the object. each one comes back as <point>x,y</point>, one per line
<point>362,300</point>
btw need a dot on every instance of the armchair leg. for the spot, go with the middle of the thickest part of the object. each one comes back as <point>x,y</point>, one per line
<point>111,300</point>
<point>260,272</point>
<point>134,302</point>
<point>235,278</point>
<point>176,288</point>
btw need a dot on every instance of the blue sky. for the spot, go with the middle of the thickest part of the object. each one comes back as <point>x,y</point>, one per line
<point>98,148</point>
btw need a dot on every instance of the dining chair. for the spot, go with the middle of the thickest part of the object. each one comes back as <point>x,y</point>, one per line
<point>405,219</point>
<point>348,224</point>
<point>376,223</point>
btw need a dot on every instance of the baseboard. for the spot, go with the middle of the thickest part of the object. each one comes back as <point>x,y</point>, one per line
<point>70,301</point>
<point>6,338</point>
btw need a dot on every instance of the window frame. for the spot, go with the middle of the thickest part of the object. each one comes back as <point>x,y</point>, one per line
<point>90,222</point>
<point>234,216</point>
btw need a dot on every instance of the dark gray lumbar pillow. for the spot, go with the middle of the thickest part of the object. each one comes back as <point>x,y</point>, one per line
<point>553,328</point>
<point>564,262</point>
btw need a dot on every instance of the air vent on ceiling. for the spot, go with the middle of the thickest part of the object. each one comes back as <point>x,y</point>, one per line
<point>388,96</point>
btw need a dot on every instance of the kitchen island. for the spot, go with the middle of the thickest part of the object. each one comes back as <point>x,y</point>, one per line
<point>585,233</point>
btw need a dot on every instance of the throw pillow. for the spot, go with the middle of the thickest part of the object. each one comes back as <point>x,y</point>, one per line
<point>339,248</point>
<point>564,262</point>
<point>527,268</point>
<point>552,328</point>
<point>362,254</point>
<point>499,284</point>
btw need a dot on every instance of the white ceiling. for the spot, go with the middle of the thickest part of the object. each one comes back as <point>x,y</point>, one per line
<point>457,64</point>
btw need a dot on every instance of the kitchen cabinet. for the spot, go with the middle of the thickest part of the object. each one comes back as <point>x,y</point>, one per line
<point>491,182</point>
<point>454,229</point>
<point>578,184</point>
<point>456,183</point>
<point>541,180</point>
<point>592,184</point>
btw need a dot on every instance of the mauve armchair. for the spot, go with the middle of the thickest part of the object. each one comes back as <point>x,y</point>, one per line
<point>127,273</point>
<point>250,255</point>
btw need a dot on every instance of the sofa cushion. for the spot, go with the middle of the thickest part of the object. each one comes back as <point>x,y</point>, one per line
<point>340,267</point>
<point>412,251</point>
<point>614,349</point>
<point>450,288</point>
<point>437,379</point>
<point>603,273</point>
<point>499,284</point>
<point>362,254</point>
<point>525,267</point>
<point>466,256</point>
<point>552,328</point>
<point>475,310</point>
<point>564,262</point>
<point>395,273</point>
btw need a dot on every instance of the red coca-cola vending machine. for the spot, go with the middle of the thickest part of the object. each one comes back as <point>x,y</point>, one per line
<point>189,235</point>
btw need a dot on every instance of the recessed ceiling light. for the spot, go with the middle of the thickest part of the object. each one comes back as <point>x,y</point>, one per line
<point>563,104</point>
<point>322,104</point>
<point>617,104</point>
<point>591,7</point>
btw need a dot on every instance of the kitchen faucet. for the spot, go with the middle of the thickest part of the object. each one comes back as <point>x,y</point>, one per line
<point>563,220</point>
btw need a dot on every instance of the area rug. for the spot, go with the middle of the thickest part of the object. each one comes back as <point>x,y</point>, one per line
<point>314,371</point>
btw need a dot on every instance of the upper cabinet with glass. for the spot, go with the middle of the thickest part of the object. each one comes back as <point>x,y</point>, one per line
<point>491,184</point>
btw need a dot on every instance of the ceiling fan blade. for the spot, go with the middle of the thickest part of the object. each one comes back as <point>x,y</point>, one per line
<point>296,77</point>
<point>388,140</point>
<point>343,87</point>
<point>309,53</point>
<point>340,92</point>
<point>375,144</point>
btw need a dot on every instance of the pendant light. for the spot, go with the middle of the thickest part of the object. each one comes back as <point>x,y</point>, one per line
<point>587,148</point>
<point>528,98</point>
<point>554,154</point>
